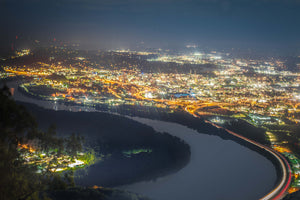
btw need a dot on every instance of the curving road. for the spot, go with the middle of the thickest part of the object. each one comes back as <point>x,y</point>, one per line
<point>280,190</point>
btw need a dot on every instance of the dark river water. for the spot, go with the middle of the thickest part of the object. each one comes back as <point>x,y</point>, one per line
<point>218,169</point>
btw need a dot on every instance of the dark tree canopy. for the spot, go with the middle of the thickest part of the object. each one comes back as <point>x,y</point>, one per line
<point>17,126</point>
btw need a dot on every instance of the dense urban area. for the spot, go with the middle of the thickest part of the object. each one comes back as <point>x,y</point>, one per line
<point>211,85</point>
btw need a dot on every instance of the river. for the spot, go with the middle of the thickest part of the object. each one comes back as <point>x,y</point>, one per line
<point>218,169</point>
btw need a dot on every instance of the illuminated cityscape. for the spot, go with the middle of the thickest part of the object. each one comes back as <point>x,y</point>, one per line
<point>260,92</point>
<point>268,95</point>
<point>150,100</point>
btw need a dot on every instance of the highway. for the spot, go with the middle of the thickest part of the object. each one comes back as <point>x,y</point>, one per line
<point>281,189</point>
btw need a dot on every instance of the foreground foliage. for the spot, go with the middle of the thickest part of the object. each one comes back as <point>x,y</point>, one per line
<point>20,138</point>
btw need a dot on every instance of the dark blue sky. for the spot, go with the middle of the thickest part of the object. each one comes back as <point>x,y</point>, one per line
<point>265,24</point>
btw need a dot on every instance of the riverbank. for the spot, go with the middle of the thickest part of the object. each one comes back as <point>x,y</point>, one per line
<point>198,124</point>
<point>212,155</point>
<point>113,136</point>
<point>219,169</point>
<point>178,117</point>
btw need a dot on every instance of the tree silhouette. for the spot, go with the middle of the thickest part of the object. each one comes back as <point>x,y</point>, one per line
<point>17,126</point>
<point>74,144</point>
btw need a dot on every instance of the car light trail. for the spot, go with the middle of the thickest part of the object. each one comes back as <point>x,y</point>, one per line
<point>280,190</point>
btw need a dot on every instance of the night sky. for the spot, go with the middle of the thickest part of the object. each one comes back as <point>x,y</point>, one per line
<point>264,24</point>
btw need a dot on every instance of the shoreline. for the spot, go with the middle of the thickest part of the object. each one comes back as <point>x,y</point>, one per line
<point>277,192</point>
<point>161,114</point>
<point>159,143</point>
<point>203,169</point>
